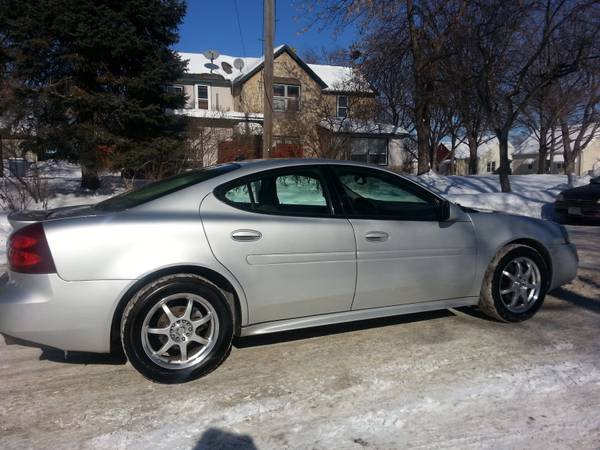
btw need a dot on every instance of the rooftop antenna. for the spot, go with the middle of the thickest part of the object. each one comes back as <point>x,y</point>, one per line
<point>238,63</point>
<point>212,55</point>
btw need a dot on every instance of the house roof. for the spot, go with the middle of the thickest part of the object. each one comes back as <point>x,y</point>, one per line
<point>329,78</point>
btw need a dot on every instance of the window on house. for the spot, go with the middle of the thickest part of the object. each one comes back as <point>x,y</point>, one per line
<point>369,150</point>
<point>286,97</point>
<point>342,106</point>
<point>203,97</point>
<point>560,165</point>
<point>174,89</point>
<point>491,167</point>
<point>530,166</point>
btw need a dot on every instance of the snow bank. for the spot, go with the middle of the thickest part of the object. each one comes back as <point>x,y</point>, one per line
<point>532,195</point>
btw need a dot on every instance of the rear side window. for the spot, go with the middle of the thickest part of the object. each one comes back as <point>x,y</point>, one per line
<point>289,193</point>
<point>164,187</point>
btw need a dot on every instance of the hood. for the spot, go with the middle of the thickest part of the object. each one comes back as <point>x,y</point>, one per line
<point>20,219</point>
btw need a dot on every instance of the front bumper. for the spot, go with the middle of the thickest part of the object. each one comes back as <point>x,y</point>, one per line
<point>565,263</point>
<point>578,209</point>
<point>69,315</point>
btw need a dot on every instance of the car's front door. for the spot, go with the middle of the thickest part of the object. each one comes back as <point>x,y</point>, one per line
<point>405,254</point>
<point>276,233</point>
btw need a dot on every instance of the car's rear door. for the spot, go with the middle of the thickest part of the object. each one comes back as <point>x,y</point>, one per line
<point>275,231</point>
<point>404,253</point>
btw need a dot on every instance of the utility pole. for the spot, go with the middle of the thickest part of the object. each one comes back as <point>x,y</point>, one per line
<point>269,23</point>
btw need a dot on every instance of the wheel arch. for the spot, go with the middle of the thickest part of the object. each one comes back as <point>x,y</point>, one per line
<point>212,276</point>
<point>540,248</point>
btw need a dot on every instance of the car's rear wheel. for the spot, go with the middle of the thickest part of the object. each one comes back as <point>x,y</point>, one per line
<point>515,284</point>
<point>177,329</point>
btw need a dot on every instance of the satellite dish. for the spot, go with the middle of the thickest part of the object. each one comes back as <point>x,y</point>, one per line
<point>211,54</point>
<point>226,67</point>
<point>238,63</point>
<point>211,66</point>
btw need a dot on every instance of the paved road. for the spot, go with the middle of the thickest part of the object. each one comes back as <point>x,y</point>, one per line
<point>436,380</point>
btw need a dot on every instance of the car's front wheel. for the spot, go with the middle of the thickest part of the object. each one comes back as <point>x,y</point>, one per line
<point>515,284</point>
<point>177,329</point>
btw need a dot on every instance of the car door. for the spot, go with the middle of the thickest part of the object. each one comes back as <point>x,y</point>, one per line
<point>404,253</point>
<point>276,233</point>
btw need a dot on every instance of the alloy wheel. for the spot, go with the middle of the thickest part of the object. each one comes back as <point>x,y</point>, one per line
<point>179,331</point>
<point>520,284</point>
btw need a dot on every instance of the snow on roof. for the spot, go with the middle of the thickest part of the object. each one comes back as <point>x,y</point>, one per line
<point>462,149</point>
<point>198,63</point>
<point>355,126</point>
<point>341,78</point>
<point>337,78</point>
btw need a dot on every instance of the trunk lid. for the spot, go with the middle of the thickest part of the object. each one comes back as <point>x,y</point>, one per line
<point>20,219</point>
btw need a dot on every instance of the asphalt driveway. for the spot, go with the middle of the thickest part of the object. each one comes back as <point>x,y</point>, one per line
<point>435,380</point>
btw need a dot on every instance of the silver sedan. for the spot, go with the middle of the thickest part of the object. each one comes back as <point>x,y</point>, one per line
<point>170,273</point>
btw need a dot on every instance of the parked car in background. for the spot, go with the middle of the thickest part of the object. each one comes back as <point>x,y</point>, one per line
<point>170,273</point>
<point>582,202</point>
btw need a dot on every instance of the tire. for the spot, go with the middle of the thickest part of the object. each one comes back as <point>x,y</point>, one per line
<point>184,345</point>
<point>498,290</point>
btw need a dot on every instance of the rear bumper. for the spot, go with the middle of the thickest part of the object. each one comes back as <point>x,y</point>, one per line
<point>46,310</point>
<point>565,262</point>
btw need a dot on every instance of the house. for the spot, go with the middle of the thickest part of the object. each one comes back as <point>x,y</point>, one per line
<point>526,157</point>
<point>319,110</point>
<point>488,157</point>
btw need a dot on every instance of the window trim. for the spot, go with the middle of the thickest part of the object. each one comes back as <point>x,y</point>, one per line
<point>316,170</point>
<point>208,94</point>
<point>337,105</point>
<point>286,97</point>
<point>411,186</point>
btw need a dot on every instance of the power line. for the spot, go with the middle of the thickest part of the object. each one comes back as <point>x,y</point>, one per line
<point>237,15</point>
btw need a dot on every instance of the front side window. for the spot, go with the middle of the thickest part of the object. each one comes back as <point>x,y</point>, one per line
<point>203,97</point>
<point>369,193</point>
<point>293,193</point>
<point>286,97</point>
<point>342,106</point>
<point>369,150</point>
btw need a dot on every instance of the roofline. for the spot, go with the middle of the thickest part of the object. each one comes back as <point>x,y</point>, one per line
<point>295,57</point>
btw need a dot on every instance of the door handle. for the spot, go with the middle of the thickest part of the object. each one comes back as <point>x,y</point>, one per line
<point>377,236</point>
<point>245,235</point>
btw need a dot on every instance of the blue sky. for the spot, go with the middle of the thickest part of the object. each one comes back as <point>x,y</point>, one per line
<point>213,25</point>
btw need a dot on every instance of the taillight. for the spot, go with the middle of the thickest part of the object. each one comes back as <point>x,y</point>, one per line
<point>28,251</point>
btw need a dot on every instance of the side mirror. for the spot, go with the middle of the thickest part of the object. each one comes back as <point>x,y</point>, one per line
<point>447,212</point>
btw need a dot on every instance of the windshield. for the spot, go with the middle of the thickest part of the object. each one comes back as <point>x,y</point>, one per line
<point>161,188</point>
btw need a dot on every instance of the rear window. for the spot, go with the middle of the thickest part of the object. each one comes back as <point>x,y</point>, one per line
<point>161,188</point>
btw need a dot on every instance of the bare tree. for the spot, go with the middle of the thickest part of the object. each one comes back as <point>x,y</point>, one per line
<point>400,51</point>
